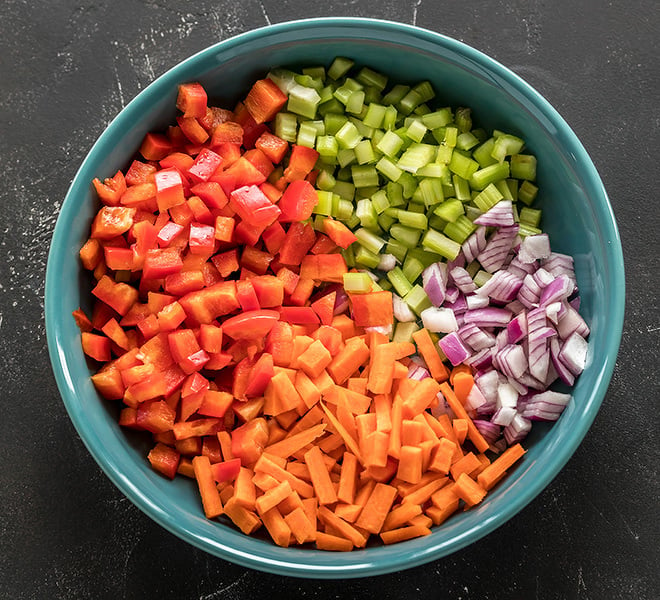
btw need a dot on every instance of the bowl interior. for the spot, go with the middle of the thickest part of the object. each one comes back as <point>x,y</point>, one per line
<point>576,215</point>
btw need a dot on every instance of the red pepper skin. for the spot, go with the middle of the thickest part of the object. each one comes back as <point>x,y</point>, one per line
<point>300,237</point>
<point>297,201</point>
<point>204,306</point>
<point>159,263</point>
<point>192,130</point>
<point>299,315</point>
<point>164,459</point>
<point>226,470</point>
<point>156,416</point>
<point>201,239</point>
<point>264,100</point>
<point>211,194</point>
<point>169,188</point>
<point>247,296</point>
<point>118,296</point>
<point>96,346</point>
<point>155,146</point>
<point>215,404</point>
<point>253,206</point>
<point>110,190</point>
<point>206,163</point>
<point>249,440</point>
<point>301,162</point>
<point>274,147</point>
<point>140,172</point>
<point>260,375</point>
<point>250,325</point>
<point>112,221</point>
<point>168,232</point>
<point>192,100</point>
<point>338,233</point>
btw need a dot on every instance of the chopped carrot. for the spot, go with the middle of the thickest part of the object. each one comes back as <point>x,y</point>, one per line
<point>292,444</point>
<point>273,497</point>
<point>246,520</point>
<point>314,359</point>
<point>348,360</point>
<point>401,515</point>
<point>469,490</point>
<point>460,427</point>
<point>345,529</point>
<point>300,526</point>
<point>410,464</point>
<point>430,355</point>
<point>497,469</point>
<point>277,527</point>
<point>348,478</point>
<point>473,433</point>
<point>376,508</point>
<point>468,464</point>
<point>323,486</point>
<point>404,533</point>
<point>209,493</point>
<point>332,543</point>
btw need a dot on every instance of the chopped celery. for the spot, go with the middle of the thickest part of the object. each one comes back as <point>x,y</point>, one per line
<point>451,135</point>
<point>306,135</point>
<point>441,244</point>
<point>424,256</point>
<point>395,193</point>
<point>339,67</point>
<point>303,101</point>
<point>366,257</point>
<point>364,152</point>
<point>463,119</point>
<point>433,169</point>
<point>466,141</point>
<point>395,95</point>
<point>355,102</point>
<point>430,191</point>
<point>345,158</point>
<point>487,198</point>
<point>460,229</point>
<point>330,106</point>
<point>490,174</point>
<point>366,213</point>
<point>481,277</point>
<point>283,79</point>
<point>368,77</point>
<point>389,120</point>
<point>286,126</point>
<point>527,192</point>
<point>349,256</point>
<point>344,210</point>
<point>526,230</point>
<point>408,184</point>
<point>417,299</point>
<point>504,189</point>
<point>425,90</point>
<point>390,144</point>
<point>397,249</point>
<point>334,122</point>
<point>309,81</point>
<point>530,216</point>
<point>403,332</point>
<point>345,189</point>
<point>438,223</point>
<point>380,201</point>
<point>357,283</point>
<point>462,165</point>
<point>444,154</point>
<point>406,235</point>
<point>409,102</point>
<point>375,115</point>
<point>416,156</point>
<point>439,118</point>
<point>472,268</point>
<point>317,72</point>
<point>461,188</point>
<point>412,268</point>
<point>364,175</point>
<point>416,131</point>
<point>388,168</point>
<point>413,219</point>
<point>523,166</point>
<point>324,205</point>
<point>348,136</point>
<point>399,281</point>
<point>325,180</point>
<point>506,145</point>
<point>385,222</point>
<point>326,145</point>
<point>482,154</point>
<point>449,210</point>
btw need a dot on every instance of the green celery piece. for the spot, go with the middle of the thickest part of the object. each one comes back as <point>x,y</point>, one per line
<point>416,156</point>
<point>380,201</point>
<point>408,183</point>
<point>364,152</point>
<point>417,299</point>
<point>462,165</point>
<point>526,230</point>
<point>408,236</point>
<point>345,158</point>
<point>487,198</point>
<point>483,153</point>
<point>471,212</point>
<point>397,249</point>
<point>523,166</point>
<point>416,207</point>
<point>472,268</point>
<point>352,221</point>
<point>344,210</point>
<point>490,174</point>
<point>334,122</point>
<point>513,184</point>
<point>424,256</point>
<point>425,90</point>
<point>481,277</point>
<point>306,135</point>
<point>433,169</point>
<point>366,212</point>
<point>363,130</point>
<point>343,93</point>
<point>463,119</point>
<point>317,72</point>
<point>409,102</point>
<point>395,95</point>
<point>527,192</point>
<point>390,144</point>
<point>430,190</point>
<point>375,115</point>
<point>422,109</point>
<point>395,193</point>
<point>388,168</point>
<point>530,216</point>
<point>303,101</point>
<point>357,283</point>
<point>339,67</point>
<point>437,223</point>
<point>461,188</point>
<point>309,81</point>
<point>389,120</point>
<point>441,244</point>
<point>506,145</point>
<point>331,106</point>
<point>438,118</point>
<point>466,141</point>
<point>449,210</point>
<point>385,222</point>
<point>349,256</point>
<point>364,176</point>
<point>327,145</point>
<point>403,332</point>
<point>384,284</point>
<point>353,84</point>
<point>369,77</point>
<point>344,189</point>
<point>326,95</point>
<point>325,180</point>
<point>444,154</point>
<point>480,134</point>
<point>412,268</point>
<point>366,257</point>
<point>324,205</point>
<point>451,135</point>
<point>283,79</point>
<point>399,281</point>
<point>460,229</point>
<point>504,189</point>
<point>348,136</point>
<point>371,95</point>
<point>416,131</point>
<point>317,223</point>
<point>286,126</point>
<point>413,219</point>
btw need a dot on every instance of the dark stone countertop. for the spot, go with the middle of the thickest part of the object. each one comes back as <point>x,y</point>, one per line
<point>67,68</point>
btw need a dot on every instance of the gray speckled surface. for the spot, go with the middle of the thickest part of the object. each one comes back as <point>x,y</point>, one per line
<point>67,68</point>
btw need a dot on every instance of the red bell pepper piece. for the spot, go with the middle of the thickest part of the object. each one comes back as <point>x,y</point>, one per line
<point>164,459</point>
<point>338,233</point>
<point>167,233</point>
<point>226,470</point>
<point>289,279</point>
<point>96,346</point>
<point>228,132</point>
<point>169,188</point>
<point>297,201</point>
<point>111,189</point>
<point>142,195</point>
<point>273,237</point>
<point>269,290</point>
<point>226,262</point>
<point>197,428</point>
<point>249,440</point>
<point>214,116</point>
<point>253,207</point>
<point>200,211</point>
<point>215,404</point>
<point>191,100</point>
<point>210,338</point>
<point>301,162</point>
<point>192,129</point>
<point>160,263</point>
<point>156,416</point>
<point>118,296</point>
<point>244,173</point>
<point>247,297</point>
<point>274,147</point>
<point>224,228</point>
<point>324,307</point>
<point>179,160</point>
<point>140,172</point>
<point>247,234</point>
<point>155,146</point>
<point>112,221</point>
<point>373,309</point>
<point>211,194</point>
<point>201,239</point>
<point>260,375</point>
<point>184,282</point>
<point>299,315</point>
<point>171,316</point>
<point>204,166</point>
<point>250,325</point>
<point>183,344</point>
<point>265,100</point>
<point>279,343</point>
<point>300,237</point>
<point>109,384</point>
<point>260,161</point>
<point>118,259</point>
<point>205,305</point>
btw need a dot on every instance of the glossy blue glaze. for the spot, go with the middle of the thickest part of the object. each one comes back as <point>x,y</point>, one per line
<point>577,215</point>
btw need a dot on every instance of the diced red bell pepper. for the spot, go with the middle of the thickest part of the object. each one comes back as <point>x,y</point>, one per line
<point>118,296</point>
<point>297,201</point>
<point>164,459</point>
<point>279,343</point>
<point>265,100</point>
<point>167,233</point>
<point>148,327</point>
<point>228,132</point>
<point>142,195</point>
<point>215,404</point>
<point>301,162</point>
<point>274,147</point>
<point>299,315</point>
<point>338,233</point>
<point>205,305</point>
<point>226,262</point>
<point>214,116</point>
<point>110,190</point>
<point>260,161</point>
<point>373,309</point>
<point>269,290</point>
<point>192,129</point>
<point>244,173</point>
<point>224,228</point>
<point>184,282</point>
<point>112,221</point>
<point>211,194</point>
<point>171,316</point>
<point>179,160</point>
<point>82,320</point>
<point>191,100</point>
<point>156,416</point>
<point>253,207</point>
<point>302,293</point>
<point>183,344</point>
<point>324,307</point>
<point>96,346</point>
<point>159,263</point>
<point>210,338</point>
<point>118,259</point>
<point>227,470</point>
<point>273,237</point>
<point>229,151</point>
<point>201,239</point>
<point>197,428</point>
<point>247,297</point>
<point>109,384</point>
<point>204,166</point>
<point>249,440</point>
<point>256,260</point>
<point>182,214</point>
<point>114,331</point>
<point>140,172</point>
<point>155,146</point>
<point>169,188</point>
<point>247,234</point>
<point>260,375</point>
<point>91,254</point>
<point>289,279</point>
<point>250,325</point>
<point>300,237</point>
<point>200,211</point>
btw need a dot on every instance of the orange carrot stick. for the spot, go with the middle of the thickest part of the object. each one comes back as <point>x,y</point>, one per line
<point>497,469</point>
<point>376,508</point>
<point>404,533</point>
<point>400,515</point>
<point>207,490</point>
<point>323,486</point>
<point>430,355</point>
<point>246,520</point>
<point>473,433</point>
<point>300,526</point>
<point>469,490</point>
<point>332,543</point>
<point>292,444</point>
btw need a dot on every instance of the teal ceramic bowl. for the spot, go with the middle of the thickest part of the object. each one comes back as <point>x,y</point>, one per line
<point>577,216</point>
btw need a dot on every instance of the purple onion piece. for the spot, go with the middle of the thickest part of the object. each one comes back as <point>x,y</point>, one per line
<point>490,431</point>
<point>474,245</point>
<point>573,353</point>
<point>561,369</point>
<point>494,255</point>
<point>517,430</point>
<point>516,329</point>
<point>500,215</point>
<point>453,348</point>
<point>434,282</point>
<point>462,280</point>
<point>534,247</point>
<point>488,317</point>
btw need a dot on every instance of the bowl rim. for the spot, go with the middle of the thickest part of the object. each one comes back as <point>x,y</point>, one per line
<point>355,564</point>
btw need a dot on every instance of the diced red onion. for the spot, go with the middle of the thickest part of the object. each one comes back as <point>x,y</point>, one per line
<point>453,348</point>
<point>481,360</point>
<point>458,306</point>
<point>534,247</point>
<point>537,349</point>
<point>571,322</point>
<point>515,307</point>
<point>475,301</point>
<point>516,329</point>
<point>511,360</point>
<point>439,320</point>
<point>459,261</point>
<point>520,269</point>
<point>552,311</point>
<point>494,255</point>
<point>488,317</point>
<point>573,353</point>
<point>434,282</point>
<point>341,301</point>
<point>474,245</point>
<point>507,395</point>
<point>490,431</point>
<point>500,215</point>
<point>559,289</point>
<point>517,430</point>
<point>530,292</point>
<point>476,338</point>
<point>417,372</point>
<point>521,388</point>
<point>462,280</point>
<point>503,416</point>
<point>562,370</point>
<point>475,399</point>
<point>503,286</point>
<point>452,294</point>
<point>542,277</point>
